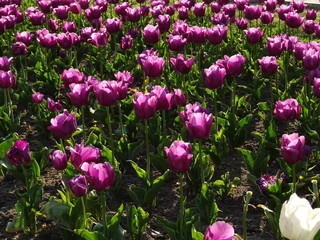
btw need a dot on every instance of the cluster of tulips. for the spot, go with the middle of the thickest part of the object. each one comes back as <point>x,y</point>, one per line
<point>196,73</point>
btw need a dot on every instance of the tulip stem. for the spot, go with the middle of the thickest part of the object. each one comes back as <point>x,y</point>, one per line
<point>83,124</point>
<point>24,170</point>
<point>315,192</point>
<point>181,207</point>
<point>201,162</point>
<point>120,118</point>
<point>147,145</point>
<point>6,100</point>
<point>84,212</point>
<point>215,96</point>
<point>245,211</point>
<point>110,132</point>
<point>294,183</point>
<point>9,104</point>
<point>62,146</point>
<point>104,217</point>
<point>164,123</point>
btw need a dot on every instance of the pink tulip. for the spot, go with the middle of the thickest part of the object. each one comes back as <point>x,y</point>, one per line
<point>179,156</point>
<point>63,125</point>
<point>145,106</point>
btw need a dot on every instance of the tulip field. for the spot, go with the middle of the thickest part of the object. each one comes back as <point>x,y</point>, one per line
<point>160,119</point>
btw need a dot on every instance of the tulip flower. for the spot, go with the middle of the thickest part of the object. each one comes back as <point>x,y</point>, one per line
<point>5,63</point>
<point>229,9</point>
<point>183,13</point>
<point>178,98</point>
<point>47,40</point>
<point>216,34</point>
<point>61,11</point>
<point>293,19</point>
<point>181,64</point>
<point>179,156</point>
<point>100,175</point>
<point>106,92</point>
<point>113,25</point>
<point>310,60</point>
<point>234,64</point>
<point>75,8</point>
<point>53,106</point>
<point>311,14</point>
<point>24,37</point>
<point>99,39</point>
<point>299,6</point>
<point>79,95</point>
<point>214,76</point>
<point>163,97</point>
<point>153,66</point>
<point>242,23</point>
<point>316,87</point>
<point>254,35</point>
<point>271,5</point>
<point>190,109</point>
<point>7,79</point>
<point>241,4</point>
<point>292,148</point>
<point>199,125</point>
<point>266,17</point>
<point>59,160</point>
<point>133,14</point>
<point>124,76</point>
<point>126,42</point>
<point>308,27</point>
<point>196,34</point>
<point>220,230</point>
<point>199,9</point>
<point>151,34</point>
<point>122,90</point>
<point>145,105</point>
<point>78,185</point>
<point>176,42</point>
<point>298,50</point>
<point>269,65</point>
<point>63,125</point>
<point>266,181</point>
<point>282,10</point>
<point>215,7</point>
<point>68,26</point>
<point>19,154</point>
<point>37,97</point>
<point>19,48</point>
<point>298,221</point>
<point>164,23</point>
<point>287,110</point>
<point>252,12</point>
<point>81,154</point>
<point>72,76</point>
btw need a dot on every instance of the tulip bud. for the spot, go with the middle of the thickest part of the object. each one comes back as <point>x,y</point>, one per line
<point>292,148</point>
<point>78,185</point>
<point>179,156</point>
<point>19,154</point>
<point>59,160</point>
<point>214,76</point>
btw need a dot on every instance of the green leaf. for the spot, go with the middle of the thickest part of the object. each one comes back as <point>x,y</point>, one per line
<point>35,170</point>
<point>86,234</point>
<point>169,227</point>
<point>5,146</point>
<point>142,174</point>
<point>248,158</point>
<point>196,235</point>
<point>58,212</point>
<point>154,188</point>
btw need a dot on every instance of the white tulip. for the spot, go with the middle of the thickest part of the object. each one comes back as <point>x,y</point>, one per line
<point>298,221</point>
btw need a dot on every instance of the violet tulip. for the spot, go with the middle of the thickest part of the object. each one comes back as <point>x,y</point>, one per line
<point>196,34</point>
<point>53,25</point>
<point>113,25</point>
<point>274,46</point>
<point>106,92</point>
<point>269,65</point>
<point>287,110</point>
<point>299,6</point>
<point>242,23</point>
<point>310,60</point>
<point>99,39</point>
<point>220,230</point>
<point>199,125</point>
<point>254,35</point>
<point>24,37</point>
<point>293,19</point>
<point>71,76</point>
<point>190,109</point>
<point>292,148</point>
<point>316,87</point>
<point>126,42</point>
<point>61,12</point>
<point>81,154</point>
<point>234,64</point>
<point>266,17</point>
<point>164,98</point>
<point>79,95</point>
<point>179,156</point>
<point>78,185</point>
<point>19,154</point>
<point>271,5</point>
<point>53,106</point>
<point>266,181</point>
<point>19,48</point>
<point>217,34</point>
<point>241,4</point>
<point>151,34</point>
<point>229,9</point>
<point>199,9</point>
<point>122,90</point>
<point>100,175</point>
<point>176,42</point>
<point>5,63</point>
<point>37,97</point>
<point>133,14</point>
<point>214,76</point>
<point>183,13</point>
<point>68,26</point>
<point>181,64</point>
<point>311,14</point>
<point>252,12</point>
<point>63,125</point>
<point>47,40</point>
<point>308,27</point>
<point>164,23</point>
<point>7,79</point>
<point>153,66</point>
<point>124,76</point>
<point>59,160</point>
<point>145,105</point>
<point>298,50</point>
<point>178,98</point>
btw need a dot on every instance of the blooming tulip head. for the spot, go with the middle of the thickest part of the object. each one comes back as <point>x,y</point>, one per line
<point>241,4</point>
<point>214,76</point>
<point>199,9</point>
<point>190,109</point>
<point>179,156</point>
<point>217,33</point>
<point>266,17</point>
<point>24,37</point>
<point>178,98</point>
<point>269,65</point>
<point>299,48</point>
<point>7,79</point>
<point>164,23</point>
<point>79,95</point>
<point>71,76</point>
<point>308,27</point>
<point>311,14</point>
<point>292,148</point>
<point>254,35</point>
<point>266,181</point>
<point>274,46</point>
<point>220,230</point>
<point>282,10</point>
<point>100,175</point>
<point>145,106</point>
<point>153,66</point>
<point>287,110</point>
<point>124,76</point>
<point>252,12</point>
<point>151,34</point>
<point>68,26</point>
<point>37,97</point>
<point>81,154</point>
<point>126,42</point>
<point>59,160</point>
<point>181,64</point>
<point>78,185</point>
<point>53,106</point>
<point>199,125</point>
<point>19,48</point>
<point>298,220</point>
<point>106,92</point>
<point>271,5</point>
<point>196,34</point>
<point>299,6</point>
<point>5,63</point>
<point>176,42</point>
<point>113,25</point>
<point>293,19</point>
<point>19,154</point>
<point>234,64</point>
<point>63,125</point>
<point>99,39</point>
<point>242,23</point>
<point>310,60</point>
<point>163,97</point>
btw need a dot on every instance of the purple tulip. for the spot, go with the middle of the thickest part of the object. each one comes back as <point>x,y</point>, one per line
<point>122,90</point>
<point>75,8</point>
<point>169,10</point>
<point>298,50</point>
<point>252,12</point>
<point>178,98</point>
<point>214,76</point>
<point>53,106</point>
<point>5,63</point>
<point>269,65</point>
<point>81,154</point>
<point>53,25</point>
<point>47,40</point>
<point>220,230</point>
<point>282,10</point>
<point>311,14</point>
<point>100,175</point>
<point>144,10</point>
<point>299,6</point>
<point>242,23</point>
<point>199,9</point>
<point>84,4</point>
<point>287,110</point>
<point>61,12</point>
<point>266,181</point>
<point>196,34</point>
<point>220,18</point>
<point>274,46</point>
<point>99,39</point>
<point>71,76</point>
<point>292,148</point>
<point>103,4</point>
<point>271,5</point>
<point>241,4</point>
<point>19,154</point>
<point>181,64</point>
<point>78,185</point>
<point>121,9</point>
<point>19,48</point>
<point>124,76</point>
<point>215,7</point>
<point>153,66</point>
<point>183,13</point>
<point>156,11</point>
<point>113,25</point>
<point>145,105</point>
<point>234,64</point>
<point>65,40</point>
<point>308,27</point>
<point>217,33</point>
<point>24,37</point>
<point>266,17</point>
<point>180,28</point>
<point>293,19</point>
<point>45,5</point>
<point>126,42</point>
<point>316,87</point>
<point>145,54</point>
<point>190,109</point>
<point>199,125</point>
<point>79,95</point>
<point>310,60</point>
<point>68,26</point>
<point>133,14</point>
<point>37,18</point>
<point>254,35</point>
<point>63,125</point>
<point>176,42</point>
<point>7,79</point>
<point>179,156</point>
<point>86,33</point>
<point>106,92</point>
<point>164,23</point>
<point>229,9</point>
<point>59,160</point>
<point>151,34</point>
<point>37,97</point>
<point>134,32</point>
<point>164,98</point>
